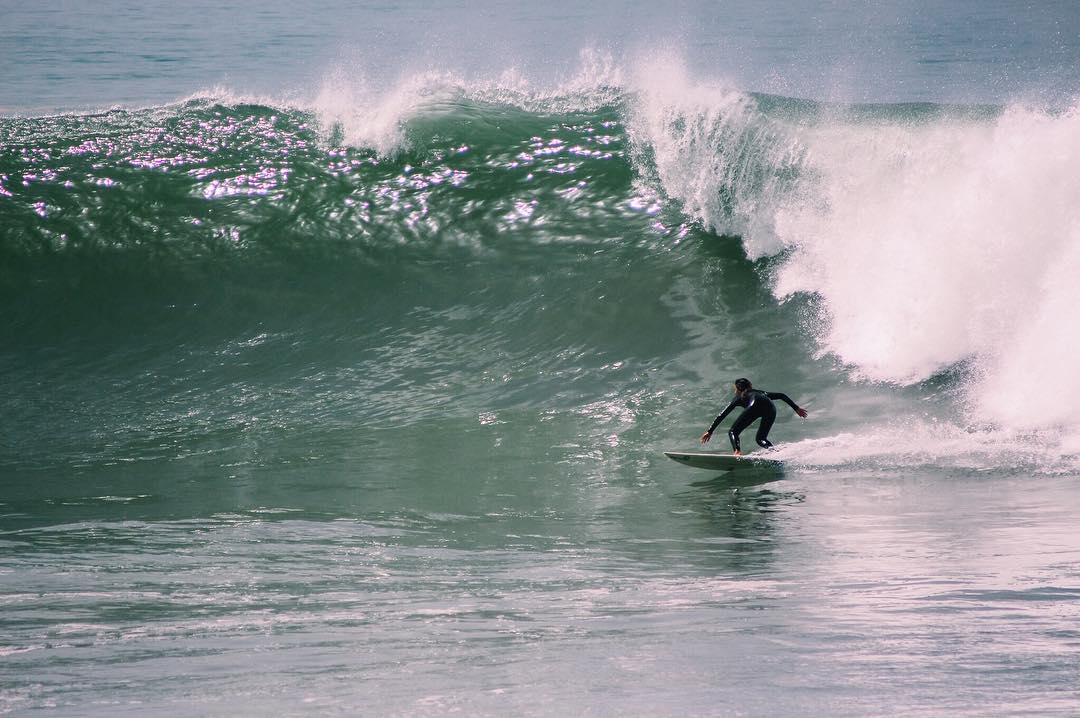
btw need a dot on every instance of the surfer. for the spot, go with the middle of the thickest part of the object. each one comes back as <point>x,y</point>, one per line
<point>756,404</point>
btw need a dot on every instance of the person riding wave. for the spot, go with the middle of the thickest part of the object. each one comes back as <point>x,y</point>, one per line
<point>756,404</point>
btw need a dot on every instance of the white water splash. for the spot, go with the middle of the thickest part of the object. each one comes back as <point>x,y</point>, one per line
<point>930,242</point>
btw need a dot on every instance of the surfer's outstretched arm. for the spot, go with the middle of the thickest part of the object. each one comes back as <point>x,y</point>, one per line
<point>787,400</point>
<point>719,417</point>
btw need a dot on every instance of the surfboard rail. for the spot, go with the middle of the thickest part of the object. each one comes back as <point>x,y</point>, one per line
<point>720,461</point>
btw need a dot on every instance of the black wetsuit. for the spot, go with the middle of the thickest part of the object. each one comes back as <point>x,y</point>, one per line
<point>757,405</point>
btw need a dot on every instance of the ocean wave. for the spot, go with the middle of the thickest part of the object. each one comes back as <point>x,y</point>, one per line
<point>923,237</point>
<point>929,237</point>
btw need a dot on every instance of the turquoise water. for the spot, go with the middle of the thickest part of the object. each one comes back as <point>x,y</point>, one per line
<point>341,344</point>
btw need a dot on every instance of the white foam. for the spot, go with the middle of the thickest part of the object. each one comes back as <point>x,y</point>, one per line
<point>711,149</point>
<point>913,443</point>
<point>1032,378</point>
<point>375,114</point>
<point>947,242</point>
<point>373,117</point>
<point>929,242</point>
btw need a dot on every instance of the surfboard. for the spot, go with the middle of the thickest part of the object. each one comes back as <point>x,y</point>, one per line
<point>716,461</point>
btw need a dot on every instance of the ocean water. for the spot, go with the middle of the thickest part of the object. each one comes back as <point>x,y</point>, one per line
<point>340,344</point>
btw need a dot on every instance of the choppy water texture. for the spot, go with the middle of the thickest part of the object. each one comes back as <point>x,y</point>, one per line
<point>353,399</point>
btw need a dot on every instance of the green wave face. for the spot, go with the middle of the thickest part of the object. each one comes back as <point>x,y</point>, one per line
<point>500,259</point>
<point>619,258</point>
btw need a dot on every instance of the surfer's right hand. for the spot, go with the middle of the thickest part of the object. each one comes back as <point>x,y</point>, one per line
<point>706,436</point>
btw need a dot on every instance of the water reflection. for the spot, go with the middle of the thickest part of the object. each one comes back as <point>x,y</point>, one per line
<point>753,475</point>
<point>724,526</point>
